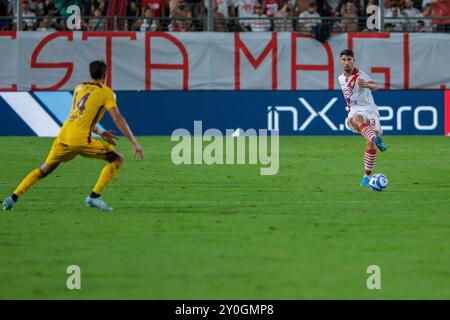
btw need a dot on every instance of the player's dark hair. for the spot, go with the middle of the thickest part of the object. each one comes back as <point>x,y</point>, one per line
<point>97,69</point>
<point>347,52</point>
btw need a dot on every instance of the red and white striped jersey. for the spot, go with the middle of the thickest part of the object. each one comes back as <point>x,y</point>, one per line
<point>355,96</point>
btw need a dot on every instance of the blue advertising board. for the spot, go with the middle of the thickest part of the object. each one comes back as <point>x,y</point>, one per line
<point>413,112</point>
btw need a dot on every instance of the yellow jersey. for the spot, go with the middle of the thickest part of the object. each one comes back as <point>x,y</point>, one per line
<point>90,101</point>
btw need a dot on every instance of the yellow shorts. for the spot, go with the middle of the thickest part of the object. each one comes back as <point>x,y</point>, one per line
<point>61,152</point>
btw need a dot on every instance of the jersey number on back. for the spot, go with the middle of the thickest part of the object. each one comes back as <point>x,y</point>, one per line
<point>81,105</point>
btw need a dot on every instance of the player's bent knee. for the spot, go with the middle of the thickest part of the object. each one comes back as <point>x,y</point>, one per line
<point>370,145</point>
<point>46,169</point>
<point>120,159</point>
<point>115,157</point>
<point>354,123</point>
<point>358,120</point>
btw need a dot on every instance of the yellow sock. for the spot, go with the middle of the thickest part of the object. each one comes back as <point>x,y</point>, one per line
<point>30,180</point>
<point>108,173</point>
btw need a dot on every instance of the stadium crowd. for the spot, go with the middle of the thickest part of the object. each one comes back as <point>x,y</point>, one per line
<point>307,16</point>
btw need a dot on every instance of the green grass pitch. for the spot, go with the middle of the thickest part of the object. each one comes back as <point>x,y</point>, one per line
<point>225,231</point>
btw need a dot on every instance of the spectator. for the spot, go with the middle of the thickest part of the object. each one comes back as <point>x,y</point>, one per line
<point>157,7</point>
<point>427,13</point>
<point>389,27</point>
<point>323,30</point>
<point>197,7</point>
<point>410,12</point>
<point>101,5</point>
<point>350,12</point>
<point>45,26</point>
<point>132,12</point>
<point>4,14</point>
<point>300,6</point>
<point>28,16</point>
<point>159,10</point>
<point>87,8</point>
<point>419,26</point>
<point>220,24</point>
<point>37,6</point>
<point>23,26</point>
<point>183,24</point>
<point>49,9</point>
<point>173,5</point>
<point>262,23</point>
<point>342,4</point>
<point>426,2</point>
<point>333,6</point>
<point>296,10</point>
<point>270,7</point>
<point>223,6</point>
<point>324,8</point>
<point>62,25</point>
<point>147,24</point>
<point>284,24</point>
<point>97,23</point>
<point>394,16</point>
<point>309,19</point>
<point>244,9</point>
<point>12,7</point>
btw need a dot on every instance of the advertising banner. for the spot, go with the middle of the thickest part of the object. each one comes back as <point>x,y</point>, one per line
<point>412,112</point>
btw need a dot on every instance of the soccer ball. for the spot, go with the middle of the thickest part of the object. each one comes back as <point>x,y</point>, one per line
<point>378,182</point>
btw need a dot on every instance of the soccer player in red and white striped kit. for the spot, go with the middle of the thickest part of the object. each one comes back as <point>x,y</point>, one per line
<point>363,116</point>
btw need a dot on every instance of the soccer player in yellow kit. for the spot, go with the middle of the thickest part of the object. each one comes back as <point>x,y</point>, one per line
<point>90,101</point>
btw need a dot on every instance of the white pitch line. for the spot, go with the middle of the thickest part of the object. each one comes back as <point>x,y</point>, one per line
<point>176,203</point>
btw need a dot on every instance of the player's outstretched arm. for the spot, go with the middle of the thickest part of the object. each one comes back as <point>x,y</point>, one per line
<point>372,86</point>
<point>368,84</point>
<point>122,124</point>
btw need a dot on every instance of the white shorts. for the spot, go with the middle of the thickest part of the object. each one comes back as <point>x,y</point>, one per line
<point>373,117</point>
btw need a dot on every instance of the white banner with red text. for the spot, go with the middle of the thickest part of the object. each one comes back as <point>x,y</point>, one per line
<point>220,61</point>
